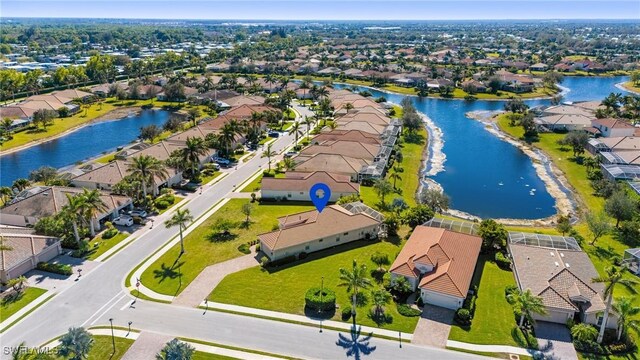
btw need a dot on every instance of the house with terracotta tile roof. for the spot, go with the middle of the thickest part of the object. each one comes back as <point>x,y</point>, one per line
<point>562,277</point>
<point>333,163</point>
<point>311,231</point>
<point>610,127</point>
<point>440,263</point>
<point>27,250</point>
<point>296,186</point>
<point>49,200</point>
<point>347,135</point>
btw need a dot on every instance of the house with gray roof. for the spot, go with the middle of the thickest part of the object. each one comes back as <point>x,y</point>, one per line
<point>558,271</point>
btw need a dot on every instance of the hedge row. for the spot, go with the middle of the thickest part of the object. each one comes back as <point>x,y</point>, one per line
<point>320,299</point>
<point>61,269</point>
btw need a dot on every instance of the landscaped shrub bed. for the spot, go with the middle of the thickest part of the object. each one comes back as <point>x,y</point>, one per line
<point>61,269</point>
<point>406,310</point>
<point>502,261</point>
<point>285,260</point>
<point>244,248</point>
<point>318,299</point>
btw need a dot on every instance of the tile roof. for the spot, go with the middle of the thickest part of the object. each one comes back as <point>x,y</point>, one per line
<point>348,135</point>
<point>300,228</point>
<point>352,149</point>
<point>558,276</point>
<point>336,164</point>
<point>613,123</point>
<point>23,246</point>
<point>304,181</point>
<point>453,256</point>
<point>51,200</point>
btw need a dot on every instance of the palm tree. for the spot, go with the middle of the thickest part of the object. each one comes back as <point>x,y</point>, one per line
<point>295,130</point>
<point>176,350</point>
<point>527,304</point>
<point>74,211</point>
<point>93,205</point>
<point>612,103</point>
<point>20,184</point>
<point>627,319</point>
<point>268,153</point>
<point>147,168</point>
<point>382,187</point>
<point>270,79</point>
<point>193,115</point>
<point>309,123</point>
<point>192,151</point>
<point>380,298</point>
<point>180,218</point>
<point>395,175</point>
<point>6,194</point>
<point>227,136</point>
<point>76,343</point>
<point>354,280</point>
<point>289,163</point>
<point>584,332</point>
<point>612,278</point>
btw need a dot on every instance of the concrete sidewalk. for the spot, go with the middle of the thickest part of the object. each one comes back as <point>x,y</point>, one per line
<point>210,277</point>
<point>346,326</point>
<point>25,310</point>
<point>489,348</point>
<point>146,346</point>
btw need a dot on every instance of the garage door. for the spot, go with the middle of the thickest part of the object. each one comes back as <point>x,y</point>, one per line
<point>440,300</point>
<point>554,316</point>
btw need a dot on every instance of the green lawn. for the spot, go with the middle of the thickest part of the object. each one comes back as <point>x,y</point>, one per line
<point>99,246</point>
<point>283,289</point>
<point>103,348</point>
<point>8,307</point>
<point>170,274</point>
<point>254,186</point>
<point>493,319</point>
<point>629,85</point>
<point>408,185</point>
<point>200,355</point>
<point>106,158</point>
<point>177,200</point>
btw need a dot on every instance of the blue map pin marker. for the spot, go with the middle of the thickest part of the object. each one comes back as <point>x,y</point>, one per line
<point>320,200</point>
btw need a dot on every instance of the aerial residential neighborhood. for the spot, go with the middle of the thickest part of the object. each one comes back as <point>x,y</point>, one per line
<point>215,180</point>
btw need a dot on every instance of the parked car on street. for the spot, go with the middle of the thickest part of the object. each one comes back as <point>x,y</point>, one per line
<point>123,221</point>
<point>274,134</point>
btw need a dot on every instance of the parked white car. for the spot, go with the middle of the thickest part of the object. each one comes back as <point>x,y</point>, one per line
<point>123,221</point>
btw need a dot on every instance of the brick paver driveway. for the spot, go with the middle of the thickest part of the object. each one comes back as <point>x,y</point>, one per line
<point>433,327</point>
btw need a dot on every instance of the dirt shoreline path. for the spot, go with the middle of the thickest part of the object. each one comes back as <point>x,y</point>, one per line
<point>115,114</point>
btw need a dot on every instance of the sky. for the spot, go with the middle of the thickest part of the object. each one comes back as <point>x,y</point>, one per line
<point>325,9</point>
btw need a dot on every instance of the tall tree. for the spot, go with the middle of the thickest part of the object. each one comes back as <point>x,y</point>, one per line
<point>74,211</point>
<point>194,114</point>
<point>354,280</point>
<point>93,206</point>
<point>383,188</point>
<point>620,206</point>
<point>494,235</point>
<point>176,350</point>
<point>269,153</point>
<point>627,316</point>
<point>146,168</point>
<point>181,218</point>
<point>598,224</point>
<point>435,199</point>
<point>613,277</point>
<point>527,304</point>
<point>194,148</point>
<point>76,343</point>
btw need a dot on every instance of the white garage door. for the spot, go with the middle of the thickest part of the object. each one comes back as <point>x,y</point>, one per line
<point>554,316</point>
<point>440,300</point>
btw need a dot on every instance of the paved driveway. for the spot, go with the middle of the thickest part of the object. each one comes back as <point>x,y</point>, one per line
<point>555,341</point>
<point>433,327</point>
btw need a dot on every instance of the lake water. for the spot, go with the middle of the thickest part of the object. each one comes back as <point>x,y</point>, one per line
<point>87,142</point>
<point>488,177</point>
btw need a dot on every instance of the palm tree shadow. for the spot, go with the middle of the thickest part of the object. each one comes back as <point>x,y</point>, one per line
<point>355,345</point>
<point>166,272</point>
